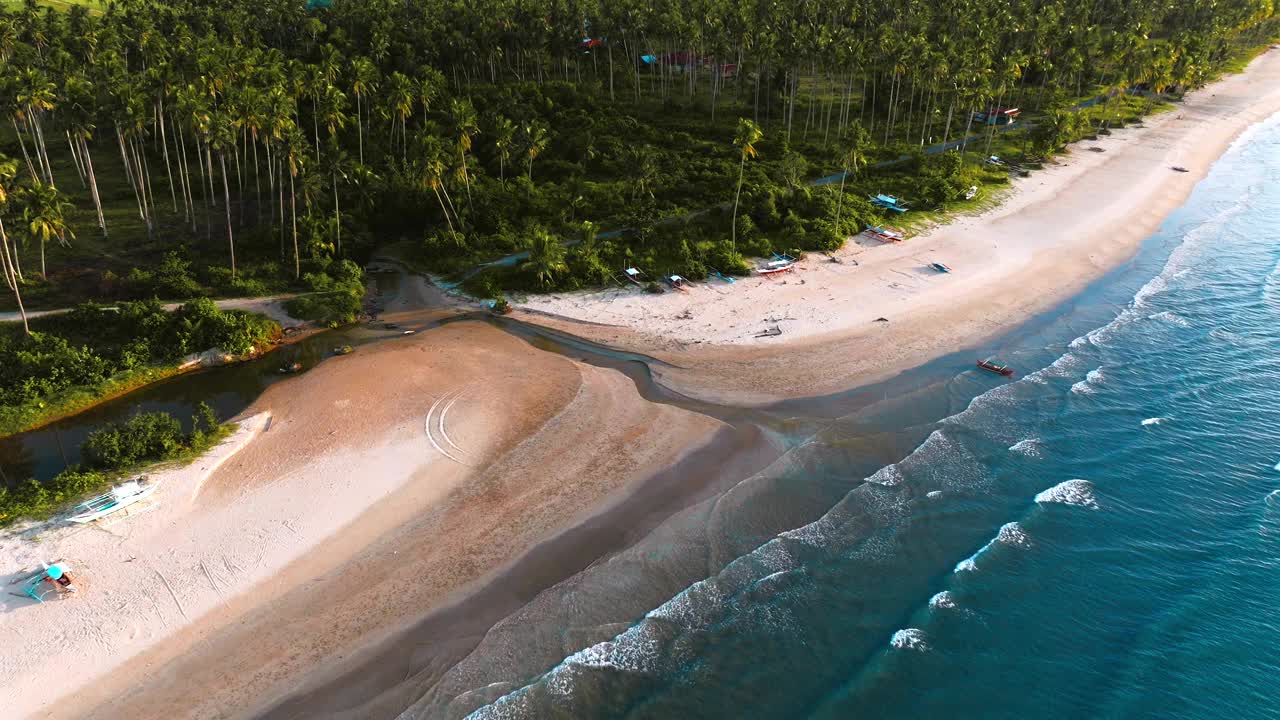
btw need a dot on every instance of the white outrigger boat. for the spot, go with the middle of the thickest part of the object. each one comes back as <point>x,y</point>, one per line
<point>120,497</point>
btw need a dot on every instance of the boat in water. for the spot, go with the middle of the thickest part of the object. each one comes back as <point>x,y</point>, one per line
<point>120,497</point>
<point>996,367</point>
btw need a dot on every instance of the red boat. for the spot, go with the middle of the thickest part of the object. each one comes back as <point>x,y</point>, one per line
<point>995,367</point>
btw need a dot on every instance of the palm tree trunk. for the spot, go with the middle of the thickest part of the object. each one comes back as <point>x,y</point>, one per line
<point>445,210</point>
<point>360,124</point>
<point>164,143</point>
<point>337,215</point>
<point>93,184</point>
<point>293,213</point>
<point>840,200</point>
<point>75,156</point>
<point>742,168</point>
<point>11,277</point>
<point>226,198</point>
<point>128,173</point>
<point>21,143</point>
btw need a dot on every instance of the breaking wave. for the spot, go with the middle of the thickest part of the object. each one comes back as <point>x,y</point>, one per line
<point>1072,492</point>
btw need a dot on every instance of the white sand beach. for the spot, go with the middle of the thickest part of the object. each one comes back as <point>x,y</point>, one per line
<point>1055,231</point>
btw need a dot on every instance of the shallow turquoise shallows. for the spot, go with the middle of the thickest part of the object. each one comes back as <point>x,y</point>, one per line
<point>1097,538</point>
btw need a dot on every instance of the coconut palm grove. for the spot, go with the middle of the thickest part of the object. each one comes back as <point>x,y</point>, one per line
<point>178,150</point>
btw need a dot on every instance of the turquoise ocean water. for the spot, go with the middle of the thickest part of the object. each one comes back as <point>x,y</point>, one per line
<point>1098,538</point>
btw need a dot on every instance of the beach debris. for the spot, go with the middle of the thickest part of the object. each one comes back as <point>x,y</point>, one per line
<point>971,193</point>
<point>881,319</point>
<point>940,267</point>
<point>292,330</point>
<point>1179,168</point>
<point>686,315</point>
<point>1097,149</point>
<point>290,368</point>
<point>390,326</point>
<point>770,332</point>
<point>343,350</point>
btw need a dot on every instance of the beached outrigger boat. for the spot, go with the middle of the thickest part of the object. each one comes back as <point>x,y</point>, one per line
<point>888,235</point>
<point>722,276</point>
<point>775,268</point>
<point>635,275</point>
<point>120,497</point>
<point>677,282</point>
<point>888,202</point>
<point>995,367</point>
<point>940,267</point>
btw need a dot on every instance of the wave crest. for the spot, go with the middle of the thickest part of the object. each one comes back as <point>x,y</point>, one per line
<point>1072,492</point>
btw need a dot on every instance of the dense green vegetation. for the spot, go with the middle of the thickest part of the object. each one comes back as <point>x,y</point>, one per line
<point>110,453</point>
<point>73,359</point>
<point>184,148</point>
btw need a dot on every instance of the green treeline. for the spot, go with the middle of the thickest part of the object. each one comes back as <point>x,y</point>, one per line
<point>71,359</point>
<point>109,453</point>
<point>269,139</point>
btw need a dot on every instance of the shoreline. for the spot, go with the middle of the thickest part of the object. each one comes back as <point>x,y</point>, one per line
<point>311,516</point>
<point>1061,228</point>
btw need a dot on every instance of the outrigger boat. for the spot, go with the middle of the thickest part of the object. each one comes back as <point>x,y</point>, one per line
<point>120,497</point>
<point>888,202</point>
<point>940,267</point>
<point>722,276</point>
<point>677,282</point>
<point>995,367</point>
<point>887,235</point>
<point>635,275</point>
<point>774,268</point>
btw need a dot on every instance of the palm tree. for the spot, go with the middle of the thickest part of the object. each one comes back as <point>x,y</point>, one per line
<point>746,138</point>
<point>8,171</point>
<point>363,82</point>
<point>546,257</point>
<point>295,155</point>
<point>35,97</point>
<point>433,166</point>
<point>45,212</point>
<point>535,141</point>
<point>463,114</point>
<point>504,133</point>
<point>853,159</point>
<point>222,139</point>
<point>400,104</point>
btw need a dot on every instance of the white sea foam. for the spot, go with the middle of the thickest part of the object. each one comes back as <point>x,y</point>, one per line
<point>943,601</point>
<point>1278,466</point>
<point>1031,447</point>
<point>935,494</point>
<point>1170,317</point>
<point>889,475</point>
<point>1154,421</point>
<point>1084,387</point>
<point>1273,498</point>
<point>1013,535</point>
<point>909,639</point>
<point>969,564</point>
<point>1072,492</point>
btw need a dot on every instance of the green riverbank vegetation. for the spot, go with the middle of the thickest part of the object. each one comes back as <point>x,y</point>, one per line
<point>73,360</point>
<point>112,453</point>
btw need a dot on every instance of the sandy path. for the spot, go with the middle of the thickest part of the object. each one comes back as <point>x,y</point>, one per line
<point>1058,230</point>
<point>338,525</point>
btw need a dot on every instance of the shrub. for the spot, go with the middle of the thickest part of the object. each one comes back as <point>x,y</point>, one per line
<point>149,436</point>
